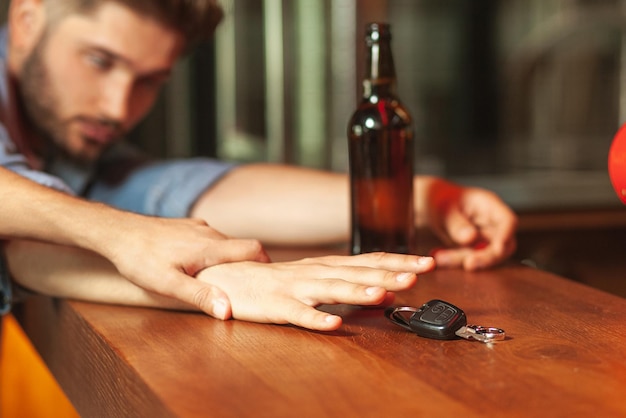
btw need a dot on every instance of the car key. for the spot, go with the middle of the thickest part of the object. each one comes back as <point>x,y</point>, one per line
<point>435,319</point>
<point>442,321</point>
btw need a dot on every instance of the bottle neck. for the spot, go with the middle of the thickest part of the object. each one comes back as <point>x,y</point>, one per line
<point>380,75</point>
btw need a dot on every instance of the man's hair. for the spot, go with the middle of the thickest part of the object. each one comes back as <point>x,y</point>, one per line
<point>196,20</point>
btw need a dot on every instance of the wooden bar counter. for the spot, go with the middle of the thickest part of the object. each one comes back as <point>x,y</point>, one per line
<point>565,356</point>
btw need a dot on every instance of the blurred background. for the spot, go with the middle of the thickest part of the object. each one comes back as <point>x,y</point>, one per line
<point>522,97</point>
<point>519,96</point>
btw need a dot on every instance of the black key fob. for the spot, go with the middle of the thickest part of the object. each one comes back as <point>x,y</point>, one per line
<point>435,319</point>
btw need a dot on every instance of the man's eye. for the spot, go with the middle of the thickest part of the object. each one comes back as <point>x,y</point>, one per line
<point>98,61</point>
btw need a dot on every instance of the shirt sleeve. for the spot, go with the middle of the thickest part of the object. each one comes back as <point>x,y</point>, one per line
<point>162,188</point>
<point>11,159</point>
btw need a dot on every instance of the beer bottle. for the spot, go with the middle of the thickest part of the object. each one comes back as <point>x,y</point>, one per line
<point>380,150</point>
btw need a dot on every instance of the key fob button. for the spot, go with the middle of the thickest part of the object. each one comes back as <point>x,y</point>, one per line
<point>437,319</point>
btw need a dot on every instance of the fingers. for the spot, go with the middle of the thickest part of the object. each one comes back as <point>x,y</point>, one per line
<point>335,291</point>
<point>491,255</point>
<point>450,257</point>
<point>459,229</point>
<point>475,258</point>
<point>289,292</point>
<point>320,321</point>
<point>300,310</point>
<point>479,227</point>
<point>308,317</point>
<point>379,260</point>
<point>365,276</point>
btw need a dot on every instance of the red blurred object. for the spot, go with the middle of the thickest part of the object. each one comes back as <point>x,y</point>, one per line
<point>617,163</point>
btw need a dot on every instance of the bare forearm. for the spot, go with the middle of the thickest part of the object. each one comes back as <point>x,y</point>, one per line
<point>32,211</point>
<point>73,273</point>
<point>290,205</point>
<point>279,205</point>
<point>290,291</point>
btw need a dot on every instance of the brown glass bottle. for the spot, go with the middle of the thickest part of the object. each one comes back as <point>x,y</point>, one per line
<point>380,146</point>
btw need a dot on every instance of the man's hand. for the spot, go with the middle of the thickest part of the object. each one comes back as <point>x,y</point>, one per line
<point>476,226</point>
<point>157,254</point>
<point>164,255</point>
<point>288,292</point>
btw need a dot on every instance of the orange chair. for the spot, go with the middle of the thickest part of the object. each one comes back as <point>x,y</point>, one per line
<point>27,388</point>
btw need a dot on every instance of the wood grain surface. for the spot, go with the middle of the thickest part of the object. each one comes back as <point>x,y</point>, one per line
<point>565,356</point>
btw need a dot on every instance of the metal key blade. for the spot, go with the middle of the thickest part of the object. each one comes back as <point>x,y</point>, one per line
<point>480,333</point>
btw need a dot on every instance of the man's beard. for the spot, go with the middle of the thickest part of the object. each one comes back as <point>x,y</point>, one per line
<point>38,103</point>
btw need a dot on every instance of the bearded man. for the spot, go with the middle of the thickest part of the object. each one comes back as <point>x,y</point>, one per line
<point>85,216</point>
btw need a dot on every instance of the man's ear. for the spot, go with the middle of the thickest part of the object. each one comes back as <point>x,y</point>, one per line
<point>27,20</point>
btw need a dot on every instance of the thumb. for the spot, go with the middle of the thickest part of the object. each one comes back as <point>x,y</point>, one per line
<point>459,228</point>
<point>207,298</point>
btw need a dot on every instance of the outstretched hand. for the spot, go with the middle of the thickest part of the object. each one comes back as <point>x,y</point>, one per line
<point>288,292</point>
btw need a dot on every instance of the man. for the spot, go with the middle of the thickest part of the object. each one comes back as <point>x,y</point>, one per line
<point>79,75</point>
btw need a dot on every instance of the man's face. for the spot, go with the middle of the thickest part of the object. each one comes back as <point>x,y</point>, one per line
<point>91,78</point>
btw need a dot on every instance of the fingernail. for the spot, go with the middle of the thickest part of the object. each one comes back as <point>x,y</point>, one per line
<point>371,290</point>
<point>403,277</point>
<point>424,260</point>
<point>219,309</point>
<point>466,232</point>
<point>330,318</point>
<point>472,265</point>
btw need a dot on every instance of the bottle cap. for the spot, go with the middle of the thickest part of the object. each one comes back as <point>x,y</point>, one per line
<point>378,30</point>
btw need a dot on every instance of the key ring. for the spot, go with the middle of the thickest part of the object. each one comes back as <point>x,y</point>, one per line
<point>487,333</point>
<point>395,315</point>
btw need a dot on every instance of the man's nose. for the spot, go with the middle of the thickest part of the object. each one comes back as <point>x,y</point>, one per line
<point>114,103</point>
